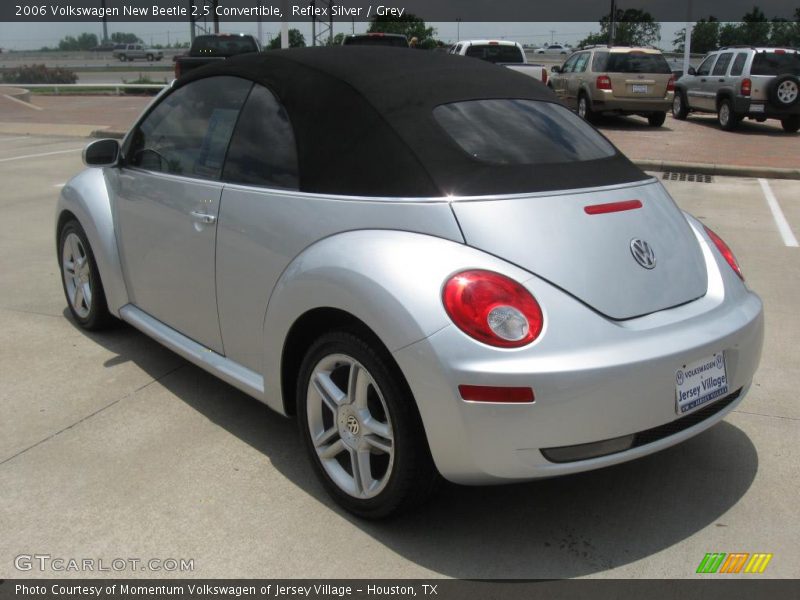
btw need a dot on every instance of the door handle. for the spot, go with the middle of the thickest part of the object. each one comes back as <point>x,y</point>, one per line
<point>703,79</point>
<point>203,217</point>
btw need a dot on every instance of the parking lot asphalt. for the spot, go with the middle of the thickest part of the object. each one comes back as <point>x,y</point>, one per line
<point>113,447</point>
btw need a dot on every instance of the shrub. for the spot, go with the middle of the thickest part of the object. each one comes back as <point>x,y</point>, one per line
<point>39,74</point>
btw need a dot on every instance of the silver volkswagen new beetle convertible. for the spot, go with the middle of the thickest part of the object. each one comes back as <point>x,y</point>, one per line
<point>434,265</point>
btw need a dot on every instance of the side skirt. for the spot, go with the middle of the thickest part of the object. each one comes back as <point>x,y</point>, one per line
<point>231,372</point>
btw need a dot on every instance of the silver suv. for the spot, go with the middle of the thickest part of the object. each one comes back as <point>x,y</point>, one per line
<point>741,81</point>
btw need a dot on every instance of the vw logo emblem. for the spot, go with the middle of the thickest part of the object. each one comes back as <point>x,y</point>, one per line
<point>679,377</point>
<point>352,425</point>
<point>643,253</point>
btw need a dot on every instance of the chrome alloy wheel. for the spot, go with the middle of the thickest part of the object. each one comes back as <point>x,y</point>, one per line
<point>582,107</point>
<point>350,426</point>
<point>787,92</point>
<point>76,272</point>
<point>724,114</point>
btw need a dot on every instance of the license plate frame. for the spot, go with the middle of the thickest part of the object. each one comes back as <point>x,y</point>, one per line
<point>639,88</point>
<point>700,382</point>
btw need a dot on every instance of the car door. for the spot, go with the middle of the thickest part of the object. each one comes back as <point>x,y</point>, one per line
<point>577,78</point>
<point>698,90</point>
<point>167,194</point>
<point>561,81</point>
<point>718,78</point>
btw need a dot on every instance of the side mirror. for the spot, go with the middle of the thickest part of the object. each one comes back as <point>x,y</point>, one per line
<point>555,69</point>
<point>101,153</point>
<point>691,71</point>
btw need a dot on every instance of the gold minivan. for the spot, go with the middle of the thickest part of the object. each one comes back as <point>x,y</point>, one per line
<point>618,80</point>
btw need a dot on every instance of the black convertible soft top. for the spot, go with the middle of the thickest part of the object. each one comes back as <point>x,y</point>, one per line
<point>364,125</point>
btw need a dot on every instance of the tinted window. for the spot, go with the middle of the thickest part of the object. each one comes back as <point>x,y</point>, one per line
<point>263,149</point>
<point>580,64</point>
<point>722,63</point>
<point>188,132</point>
<point>772,63</point>
<point>521,132</point>
<point>570,64</point>
<point>636,62</point>
<point>705,66</point>
<point>376,40</point>
<point>599,62</point>
<point>496,53</point>
<point>212,45</point>
<point>738,64</point>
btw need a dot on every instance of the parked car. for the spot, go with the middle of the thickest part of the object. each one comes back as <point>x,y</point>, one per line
<point>617,80</point>
<point>392,40</point>
<point>214,47</point>
<point>444,271</point>
<point>501,52</point>
<point>554,49</point>
<point>740,82</point>
<point>131,52</point>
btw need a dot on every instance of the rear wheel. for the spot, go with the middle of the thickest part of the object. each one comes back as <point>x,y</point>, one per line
<point>657,119</point>
<point>585,111</point>
<point>150,58</point>
<point>122,58</point>
<point>81,279</point>
<point>727,119</point>
<point>791,124</point>
<point>680,109</point>
<point>360,426</point>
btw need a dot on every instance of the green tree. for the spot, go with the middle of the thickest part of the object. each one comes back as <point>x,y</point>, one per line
<point>634,27</point>
<point>705,36</point>
<point>784,32</point>
<point>408,25</point>
<point>337,40</point>
<point>296,40</point>
<point>120,37</point>
<point>85,41</point>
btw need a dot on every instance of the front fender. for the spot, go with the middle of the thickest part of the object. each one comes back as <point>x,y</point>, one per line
<point>390,280</point>
<point>86,197</point>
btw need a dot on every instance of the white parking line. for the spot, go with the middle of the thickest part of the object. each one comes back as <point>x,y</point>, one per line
<point>14,139</point>
<point>22,102</point>
<point>777,214</point>
<point>38,155</point>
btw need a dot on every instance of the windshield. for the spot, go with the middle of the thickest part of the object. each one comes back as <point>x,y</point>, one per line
<point>495,53</point>
<point>223,45</point>
<point>774,63</point>
<point>521,132</point>
<point>634,62</point>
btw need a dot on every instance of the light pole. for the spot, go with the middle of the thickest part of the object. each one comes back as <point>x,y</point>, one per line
<point>612,25</point>
<point>687,41</point>
<point>458,29</point>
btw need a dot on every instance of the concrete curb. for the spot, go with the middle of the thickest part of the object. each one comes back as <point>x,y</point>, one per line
<point>16,93</point>
<point>713,169</point>
<point>108,133</point>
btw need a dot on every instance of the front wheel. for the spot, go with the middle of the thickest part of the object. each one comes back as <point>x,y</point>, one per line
<point>81,279</point>
<point>149,58</point>
<point>791,124</point>
<point>680,109</point>
<point>361,428</point>
<point>727,119</point>
<point>657,119</point>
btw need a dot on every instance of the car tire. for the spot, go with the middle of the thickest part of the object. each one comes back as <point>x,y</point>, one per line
<point>725,116</point>
<point>122,58</point>
<point>585,111</point>
<point>657,119</point>
<point>149,58</point>
<point>367,444</point>
<point>791,124</point>
<point>680,108</point>
<point>80,279</point>
<point>784,91</point>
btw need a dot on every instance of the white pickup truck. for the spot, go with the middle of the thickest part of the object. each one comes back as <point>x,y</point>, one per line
<point>501,52</point>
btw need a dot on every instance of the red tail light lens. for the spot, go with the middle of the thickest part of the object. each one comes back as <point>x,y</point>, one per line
<point>747,86</point>
<point>603,82</point>
<point>726,252</point>
<point>492,308</point>
<point>544,75</point>
<point>671,84</point>
<point>482,393</point>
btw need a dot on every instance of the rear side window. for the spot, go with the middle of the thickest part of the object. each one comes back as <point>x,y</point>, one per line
<point>521,132</point>
<point>722,63</point>
<point>188,132</point>
<point>495,53</point>
<point>263,149</point>
<point>773,63</point>
<point>636,62</point>
<point>738,64</point>
<point>599,62</point>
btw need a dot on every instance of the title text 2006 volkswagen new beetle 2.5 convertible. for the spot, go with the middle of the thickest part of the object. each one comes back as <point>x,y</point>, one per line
<point>428,260</point>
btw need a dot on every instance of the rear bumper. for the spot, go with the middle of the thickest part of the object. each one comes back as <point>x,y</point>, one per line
<point>594,380</point>
<point>762,109</point>
<point>606,102</point>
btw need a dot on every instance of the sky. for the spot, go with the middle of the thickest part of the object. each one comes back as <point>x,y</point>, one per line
<point>32,36</point>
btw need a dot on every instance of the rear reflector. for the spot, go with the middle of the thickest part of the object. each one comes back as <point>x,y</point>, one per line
<point>601,209</point>
<point>484,393</point>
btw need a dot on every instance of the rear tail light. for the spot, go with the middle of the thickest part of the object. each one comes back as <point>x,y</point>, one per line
<point>747,85</point>
<point>492,308</point>
<point>726,252</point>
<point>544,75</point>
<point>177,69</point>
<point>603,82</point>
<point>671,84</point>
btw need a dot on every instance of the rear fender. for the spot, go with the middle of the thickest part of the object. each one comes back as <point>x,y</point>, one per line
<point>86,197</point>
<point>390,280</point>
